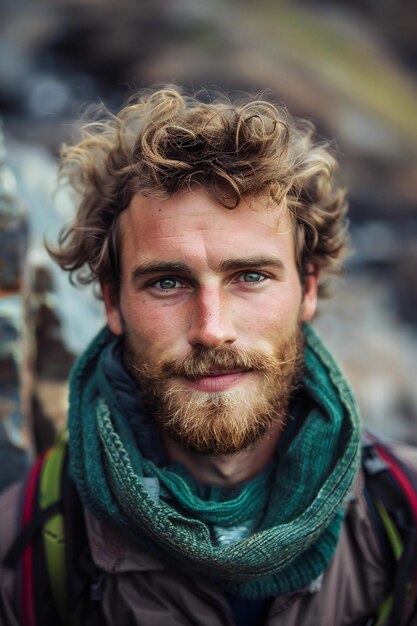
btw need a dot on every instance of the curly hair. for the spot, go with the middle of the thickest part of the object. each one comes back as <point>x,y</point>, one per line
<point>163,142</point>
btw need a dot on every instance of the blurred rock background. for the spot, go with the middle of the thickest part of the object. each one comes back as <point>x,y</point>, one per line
<point>349,66</point>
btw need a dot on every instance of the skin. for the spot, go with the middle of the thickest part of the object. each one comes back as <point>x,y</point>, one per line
<point>194,273</point>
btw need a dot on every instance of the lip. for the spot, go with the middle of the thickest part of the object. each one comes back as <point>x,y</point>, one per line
<point>217,381</point>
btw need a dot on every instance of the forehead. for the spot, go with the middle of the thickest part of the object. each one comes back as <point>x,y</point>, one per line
<point>191,222</point>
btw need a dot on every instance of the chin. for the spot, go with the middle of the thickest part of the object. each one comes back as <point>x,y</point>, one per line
<point>218,424</point>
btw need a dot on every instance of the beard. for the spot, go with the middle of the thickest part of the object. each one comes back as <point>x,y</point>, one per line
<point>226,422</point>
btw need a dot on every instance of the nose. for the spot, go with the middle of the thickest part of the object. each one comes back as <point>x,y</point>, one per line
<point>211,324</point>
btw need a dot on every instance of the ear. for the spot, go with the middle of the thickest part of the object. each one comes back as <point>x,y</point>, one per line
<point>309,304</point>
<point>111,304</point>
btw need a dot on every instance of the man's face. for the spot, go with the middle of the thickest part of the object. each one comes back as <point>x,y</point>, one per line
<point>210,306</point>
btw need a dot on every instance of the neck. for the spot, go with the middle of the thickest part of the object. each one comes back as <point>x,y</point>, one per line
<point>226,471</point>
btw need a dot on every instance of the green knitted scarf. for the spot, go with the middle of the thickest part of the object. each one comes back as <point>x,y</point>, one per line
<point>297,504</point>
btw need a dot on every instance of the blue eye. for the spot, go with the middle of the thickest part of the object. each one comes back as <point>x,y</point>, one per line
<point>167,283</point>
<point>252,277</point>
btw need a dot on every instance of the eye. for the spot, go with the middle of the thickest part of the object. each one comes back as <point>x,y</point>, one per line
<point>251,277</point>
<point>167,284</point>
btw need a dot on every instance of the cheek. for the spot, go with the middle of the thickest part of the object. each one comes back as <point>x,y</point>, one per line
<point>276,322</point>
<point>272,317</point>
<point>156,329</point>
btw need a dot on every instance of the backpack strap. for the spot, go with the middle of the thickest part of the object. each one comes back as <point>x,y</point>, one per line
<point>38,552</point>
<point>26,596</point>
<point>57,582</point>
<point>392,493</point>
<point>53,529</point>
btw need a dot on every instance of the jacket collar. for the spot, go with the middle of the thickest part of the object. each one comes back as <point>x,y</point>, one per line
<point>113,552</point>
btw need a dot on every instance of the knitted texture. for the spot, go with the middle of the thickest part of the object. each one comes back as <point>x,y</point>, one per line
<point>297,504</point>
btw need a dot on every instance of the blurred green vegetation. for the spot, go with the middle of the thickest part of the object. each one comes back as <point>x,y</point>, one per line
<point>339,57</point>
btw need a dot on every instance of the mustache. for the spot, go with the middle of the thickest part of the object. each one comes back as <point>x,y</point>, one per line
<point>208,361</point>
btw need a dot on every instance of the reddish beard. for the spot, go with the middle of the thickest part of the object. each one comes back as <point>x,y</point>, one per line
<point>219,423</point>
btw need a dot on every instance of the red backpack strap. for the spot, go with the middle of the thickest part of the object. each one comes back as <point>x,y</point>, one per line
<point>400,473</point>
<point>23,555</point>
<point>26,591</point>
<point>393,487</point>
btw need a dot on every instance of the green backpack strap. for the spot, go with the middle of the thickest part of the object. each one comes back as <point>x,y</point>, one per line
<point>391,488</point>
<point>397,547</point>
<point>53,531</point>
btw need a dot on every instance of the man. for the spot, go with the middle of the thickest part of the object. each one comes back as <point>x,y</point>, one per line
<point>213,441</point>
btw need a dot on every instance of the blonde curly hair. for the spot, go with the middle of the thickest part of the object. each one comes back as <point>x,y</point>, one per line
<point>163,142</point>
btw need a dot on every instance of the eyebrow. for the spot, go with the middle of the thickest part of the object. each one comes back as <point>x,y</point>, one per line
<point>252,261</point>
<point>173,267</point>
<point>169,267</point>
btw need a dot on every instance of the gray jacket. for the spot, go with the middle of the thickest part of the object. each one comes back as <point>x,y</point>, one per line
<point>140,590</point>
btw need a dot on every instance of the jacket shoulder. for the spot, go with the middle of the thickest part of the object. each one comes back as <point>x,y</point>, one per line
<point>10,503</point>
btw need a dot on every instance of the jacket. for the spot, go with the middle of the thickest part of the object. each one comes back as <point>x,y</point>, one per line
<point>139,590</point>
